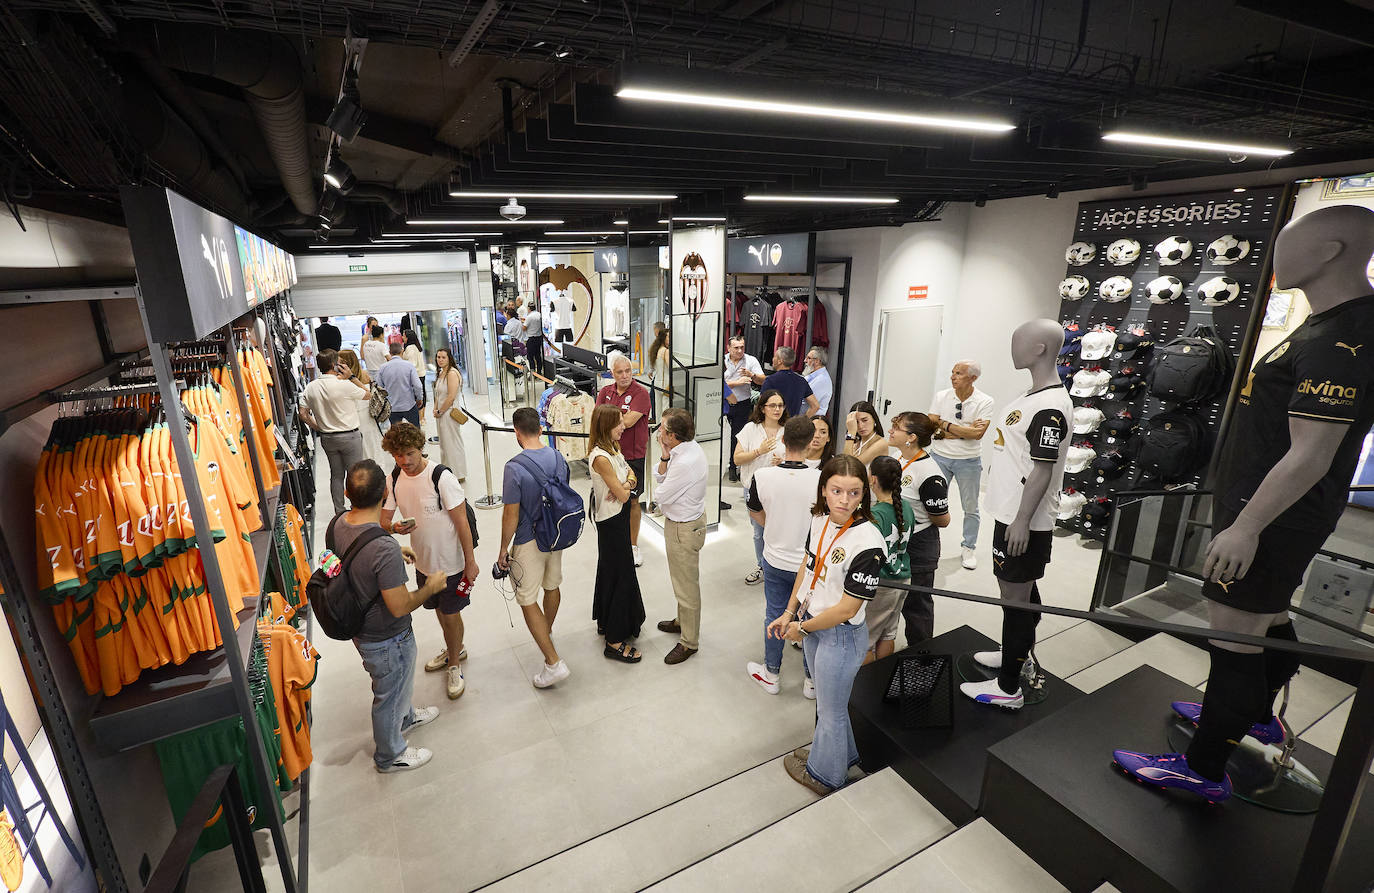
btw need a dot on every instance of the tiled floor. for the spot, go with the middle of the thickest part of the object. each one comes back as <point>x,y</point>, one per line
<point>624,776</point>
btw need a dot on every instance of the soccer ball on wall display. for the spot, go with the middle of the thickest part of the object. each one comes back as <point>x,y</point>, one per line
<point>1173,251</point>
<point>1164,290</point>
<point>1123,252</point>
<point>1115,288</point>
<point>1219,290</point>
<point>1074,288</point>
<point>1080,254</point>
<point>1227,249</point>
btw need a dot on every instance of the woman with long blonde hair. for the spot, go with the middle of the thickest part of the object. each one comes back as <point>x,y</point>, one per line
<point>367,426</point>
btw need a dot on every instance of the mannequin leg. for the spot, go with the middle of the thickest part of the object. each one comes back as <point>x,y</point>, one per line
<point>1018,633</point>
<point>1236,689</point>
<point>1279,666</point>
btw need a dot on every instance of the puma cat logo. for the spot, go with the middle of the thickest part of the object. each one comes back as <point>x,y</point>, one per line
<point>1354,351</point>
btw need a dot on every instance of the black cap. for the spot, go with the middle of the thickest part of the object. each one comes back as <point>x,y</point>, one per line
<point>1109,465</point>
<point>1097,511</point>
<point>1130,341</point>
<point>1122,385</point>
<point>1121,426</point>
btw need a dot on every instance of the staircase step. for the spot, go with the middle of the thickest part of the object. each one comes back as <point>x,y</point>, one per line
<point>649,848</point>
<point>974,859</point>
<point>875,823</point>
<point>1186,663</point>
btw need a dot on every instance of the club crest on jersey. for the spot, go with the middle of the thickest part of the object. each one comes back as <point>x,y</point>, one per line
<point>1278,352</point>
<point>906,480</point>
<point>1013,417</point>
<point>837,556</point>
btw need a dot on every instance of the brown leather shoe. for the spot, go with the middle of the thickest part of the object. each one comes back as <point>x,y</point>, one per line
<point>679,653</point>
<point>669,626</point>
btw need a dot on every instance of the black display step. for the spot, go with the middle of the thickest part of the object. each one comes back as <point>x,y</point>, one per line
<point>1053,790</point>
<point>945,766</point>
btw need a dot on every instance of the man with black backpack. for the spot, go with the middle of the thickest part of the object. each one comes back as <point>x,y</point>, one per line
<point>533,565</point>
<point>427,502</point>
<point>378,576</point>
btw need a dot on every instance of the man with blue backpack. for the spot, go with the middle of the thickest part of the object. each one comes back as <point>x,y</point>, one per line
<point>542,517</point>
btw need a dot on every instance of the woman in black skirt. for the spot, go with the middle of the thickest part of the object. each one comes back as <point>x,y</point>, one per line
<point>617,606</point>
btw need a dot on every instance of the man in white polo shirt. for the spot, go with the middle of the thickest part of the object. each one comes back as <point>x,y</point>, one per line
<point>962,414</point>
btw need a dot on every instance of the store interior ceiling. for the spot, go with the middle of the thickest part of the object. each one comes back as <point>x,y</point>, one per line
<point>231,102</point>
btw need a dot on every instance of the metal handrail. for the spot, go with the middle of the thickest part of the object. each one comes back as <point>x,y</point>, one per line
<point>220,792</point>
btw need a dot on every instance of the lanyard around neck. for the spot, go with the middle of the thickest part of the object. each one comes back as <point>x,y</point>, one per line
<point>920,454</point>
<point>820,551</point>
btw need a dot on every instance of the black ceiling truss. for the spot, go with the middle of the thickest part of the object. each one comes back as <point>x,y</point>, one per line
<point>85,106</point>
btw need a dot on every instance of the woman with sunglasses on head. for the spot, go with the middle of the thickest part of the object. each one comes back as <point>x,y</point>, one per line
<point>844,554</point>
<point>864,433</point>
<point>822,444</point>
<point>924,489</point>
<point>758,443</point>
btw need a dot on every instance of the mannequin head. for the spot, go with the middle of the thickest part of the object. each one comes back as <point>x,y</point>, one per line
<point>1326,253</point>
<point>1036,342</point>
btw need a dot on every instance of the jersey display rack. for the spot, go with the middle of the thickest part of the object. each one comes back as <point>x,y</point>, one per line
<point>219,385</point>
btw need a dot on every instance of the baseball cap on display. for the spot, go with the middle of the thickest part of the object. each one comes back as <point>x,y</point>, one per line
<point>1066,371</point>
<point>1119,428</point>
<point>1086,419</point>
<point>1130,341</point>
<point>1071,502</point>
<point>1097,512</point>
<point>1123,387</point>
<point>1072,332</point>
<point>1109,465</point>
<point>1090,382</point>
<point>1097,345</point>
<point>1080,457</point>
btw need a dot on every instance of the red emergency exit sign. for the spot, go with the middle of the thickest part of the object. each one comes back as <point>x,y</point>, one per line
<point>917,292</point>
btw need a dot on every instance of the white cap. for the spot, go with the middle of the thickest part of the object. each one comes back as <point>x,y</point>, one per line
<point>1079,459</point>
<point>1070,504</point>
<point>1097,345</point>
<point>1090,383</point>
<point>1086,419</point>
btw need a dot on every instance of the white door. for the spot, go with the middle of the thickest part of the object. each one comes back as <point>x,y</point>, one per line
<point>908,347</point>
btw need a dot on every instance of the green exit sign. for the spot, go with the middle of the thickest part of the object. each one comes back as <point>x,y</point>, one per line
<point>357,268</point>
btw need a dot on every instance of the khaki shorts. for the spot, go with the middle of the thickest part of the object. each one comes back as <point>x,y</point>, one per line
<point>533,571</point>
<point>882,613</point>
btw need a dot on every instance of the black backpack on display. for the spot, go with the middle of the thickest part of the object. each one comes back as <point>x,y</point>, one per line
<point>1171,446</point>
<point>337,606</point>
<point>1192,369</point>
<point>434,478</point>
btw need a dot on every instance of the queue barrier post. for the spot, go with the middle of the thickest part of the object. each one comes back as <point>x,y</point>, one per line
<point>491,500</point>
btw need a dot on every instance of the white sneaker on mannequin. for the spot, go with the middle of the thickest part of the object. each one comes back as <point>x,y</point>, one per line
<point>990,659</point>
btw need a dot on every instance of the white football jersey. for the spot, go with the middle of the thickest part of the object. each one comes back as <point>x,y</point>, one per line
<point>1033,428</point>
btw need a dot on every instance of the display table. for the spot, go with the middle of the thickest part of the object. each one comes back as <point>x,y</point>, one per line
<point>1053,791</point>
<point>944,765</point>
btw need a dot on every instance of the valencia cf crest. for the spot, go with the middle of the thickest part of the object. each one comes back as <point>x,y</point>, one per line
<point>1013,417</point>
<point>837,556</point>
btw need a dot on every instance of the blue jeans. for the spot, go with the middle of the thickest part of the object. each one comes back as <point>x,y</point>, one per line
<point>967,474</point>
<point>758,550</point>
<point>391,664</point>
<point>834,656</point>
<point>777,591</point>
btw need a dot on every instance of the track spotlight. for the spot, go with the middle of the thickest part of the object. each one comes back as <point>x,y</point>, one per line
<point>981,201</point>
<point>1053,191</point>
<point>1139,182</point>
<point>340,176</point>
<point>348,117</point>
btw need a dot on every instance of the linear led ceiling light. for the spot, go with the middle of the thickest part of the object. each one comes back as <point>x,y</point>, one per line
<point>810,110</point>
<point>584,232</point>
<point>590,196</point>
<point>358,247</point>
<point>620,223</point>
<point>692,219</point>
<point>823,199</point>
<point>501,221</point>
<point>424,235</point>
<point>1150,139</point>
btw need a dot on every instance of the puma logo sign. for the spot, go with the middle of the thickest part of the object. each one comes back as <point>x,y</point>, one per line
<point>1225,585</point>
<point>1354,351</point>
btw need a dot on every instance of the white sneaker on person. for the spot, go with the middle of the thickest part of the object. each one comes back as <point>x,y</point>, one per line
<point>808,689</point>
<point>413,758</point>
<point>423,716</point>
<point>440,660</point>
<point>552,674</point>
<point>970,559</point>
<point>755,576</point>
<point>766,680</point>
<point>990,692</point>
<point>639,559</point>
<point>456,685</point>
<point>990,659</point>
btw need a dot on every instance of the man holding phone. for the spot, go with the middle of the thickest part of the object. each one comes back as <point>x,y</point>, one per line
<point>430,508</point>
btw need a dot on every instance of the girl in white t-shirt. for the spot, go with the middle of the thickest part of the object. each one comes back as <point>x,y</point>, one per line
<point>759,445</point>
<point>617,604</point>
<point>844,554</point>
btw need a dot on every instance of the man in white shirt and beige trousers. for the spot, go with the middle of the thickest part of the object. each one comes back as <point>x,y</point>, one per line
<point>680,478</point>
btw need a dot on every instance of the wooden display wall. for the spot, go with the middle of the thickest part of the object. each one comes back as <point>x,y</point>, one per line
<point>1253,215</point>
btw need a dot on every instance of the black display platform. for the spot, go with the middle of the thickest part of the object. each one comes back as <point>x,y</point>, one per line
<point>1053,791</point>
<point>945,766</point>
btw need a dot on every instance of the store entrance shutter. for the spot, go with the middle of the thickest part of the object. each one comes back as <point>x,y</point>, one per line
<point>376,294</point>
